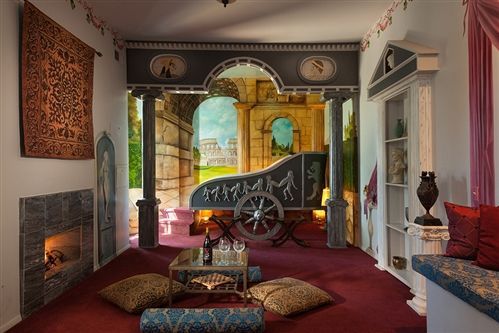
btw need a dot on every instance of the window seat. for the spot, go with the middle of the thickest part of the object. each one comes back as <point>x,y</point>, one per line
<point>450,282</point>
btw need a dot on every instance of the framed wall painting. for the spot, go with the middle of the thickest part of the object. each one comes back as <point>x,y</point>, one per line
<point>168,67</point>
<point>317,69</point>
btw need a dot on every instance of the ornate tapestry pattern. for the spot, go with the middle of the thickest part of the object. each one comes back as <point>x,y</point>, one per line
<point>57,86</point>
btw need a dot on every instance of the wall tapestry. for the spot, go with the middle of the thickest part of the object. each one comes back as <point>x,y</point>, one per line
<point>57,82</point>
<point>106,198</point>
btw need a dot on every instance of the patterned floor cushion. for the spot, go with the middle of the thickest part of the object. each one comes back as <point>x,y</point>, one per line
<point>214,320</point>
<point>139,292</point>
<point>288,296</point>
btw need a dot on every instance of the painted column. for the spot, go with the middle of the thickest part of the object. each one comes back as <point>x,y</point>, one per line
<point>243,137</point>
<point>427,240</point>
<point>336,206</point>
<point>148,205</point>
<point>317,113</point>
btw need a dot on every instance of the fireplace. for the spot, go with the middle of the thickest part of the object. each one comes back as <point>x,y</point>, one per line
<point>56,245</point>
<point>62,252</point>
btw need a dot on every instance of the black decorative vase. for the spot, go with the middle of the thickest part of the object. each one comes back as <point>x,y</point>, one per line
<point>427,193</point>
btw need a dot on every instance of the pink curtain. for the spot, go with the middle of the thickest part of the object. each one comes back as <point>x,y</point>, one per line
<point>483,30</point>
<point>487,14</point>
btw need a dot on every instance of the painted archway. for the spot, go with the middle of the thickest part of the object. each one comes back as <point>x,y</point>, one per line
<point>267,134</point>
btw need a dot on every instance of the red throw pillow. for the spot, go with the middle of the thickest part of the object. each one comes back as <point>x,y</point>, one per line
<point>488,245</point>
<point>464,224</point>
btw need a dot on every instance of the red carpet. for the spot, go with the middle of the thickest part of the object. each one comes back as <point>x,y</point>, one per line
<point>366,300</point>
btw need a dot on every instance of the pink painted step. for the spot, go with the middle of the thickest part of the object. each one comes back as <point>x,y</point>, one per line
<point>176,221</point>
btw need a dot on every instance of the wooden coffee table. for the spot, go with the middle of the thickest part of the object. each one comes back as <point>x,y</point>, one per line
<point>191,261</point>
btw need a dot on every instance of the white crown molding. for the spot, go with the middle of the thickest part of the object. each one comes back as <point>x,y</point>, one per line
<point>297,47</point>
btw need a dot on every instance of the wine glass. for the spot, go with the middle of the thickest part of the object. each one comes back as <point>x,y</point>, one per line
<point>239,246</point>
<point>224,247</point>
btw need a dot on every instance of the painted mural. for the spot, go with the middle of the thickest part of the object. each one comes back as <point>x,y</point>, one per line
<point>215,139</point>
<point>282,138</point>
<point>350,171</point>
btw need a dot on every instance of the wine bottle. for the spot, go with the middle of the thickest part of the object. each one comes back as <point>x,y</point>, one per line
<point>207,249</point>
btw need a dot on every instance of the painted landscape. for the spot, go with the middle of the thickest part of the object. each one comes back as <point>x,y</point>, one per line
<point>215,139</point>
<point>282,138</point>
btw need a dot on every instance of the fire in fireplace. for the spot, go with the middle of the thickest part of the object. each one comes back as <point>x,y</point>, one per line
<point>62,251</point>
<point>53,258</point>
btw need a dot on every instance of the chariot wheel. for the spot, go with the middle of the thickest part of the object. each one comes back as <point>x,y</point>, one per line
<point>258,215</point>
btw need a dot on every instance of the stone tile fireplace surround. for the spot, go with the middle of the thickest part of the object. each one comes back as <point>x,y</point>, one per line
<point>42,217</point>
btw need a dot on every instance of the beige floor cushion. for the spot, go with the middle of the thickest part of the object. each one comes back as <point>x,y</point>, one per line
<point>139,292</point>
<point>288,296</point>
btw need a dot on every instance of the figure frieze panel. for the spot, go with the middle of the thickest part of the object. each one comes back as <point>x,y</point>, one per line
<point>295,181</point>
<point>240,189</point>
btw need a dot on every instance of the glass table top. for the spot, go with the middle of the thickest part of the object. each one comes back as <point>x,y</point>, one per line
<point>193,259</point>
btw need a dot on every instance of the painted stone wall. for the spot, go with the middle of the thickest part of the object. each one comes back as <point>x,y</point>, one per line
<point>174,160</point>
<point>264,105</point>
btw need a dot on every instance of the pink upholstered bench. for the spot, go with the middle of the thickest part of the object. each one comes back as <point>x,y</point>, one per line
<point>176,221</point>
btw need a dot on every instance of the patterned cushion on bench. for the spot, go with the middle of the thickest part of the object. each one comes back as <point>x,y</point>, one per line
<point>213,320</point>
<point>477,286</point>
<point>254,274</point>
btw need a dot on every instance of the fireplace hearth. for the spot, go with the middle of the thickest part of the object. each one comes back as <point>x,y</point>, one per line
<point>56,245</point>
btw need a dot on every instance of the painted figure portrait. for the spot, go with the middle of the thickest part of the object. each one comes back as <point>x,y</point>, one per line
<point>317,69</point>
<point>168,67</point>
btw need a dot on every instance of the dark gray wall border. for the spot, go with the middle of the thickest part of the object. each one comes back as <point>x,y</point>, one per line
<point>207,60</point>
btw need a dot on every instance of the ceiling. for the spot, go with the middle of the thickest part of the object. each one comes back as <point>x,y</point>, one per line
<point>245,21</point>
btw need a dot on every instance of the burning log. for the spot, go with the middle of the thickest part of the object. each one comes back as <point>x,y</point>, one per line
<point>52,257</point>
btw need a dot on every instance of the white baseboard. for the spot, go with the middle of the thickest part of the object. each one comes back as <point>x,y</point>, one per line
<point>120,251</point>
<point>10,323</point>
<point>123,249</point>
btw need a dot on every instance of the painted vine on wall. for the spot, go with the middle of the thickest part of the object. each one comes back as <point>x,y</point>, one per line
<point>383,22</point>
<point>99,23</point>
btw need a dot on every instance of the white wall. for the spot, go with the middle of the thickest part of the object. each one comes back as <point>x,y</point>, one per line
<point>21,177</point>
<point>436,24</point>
